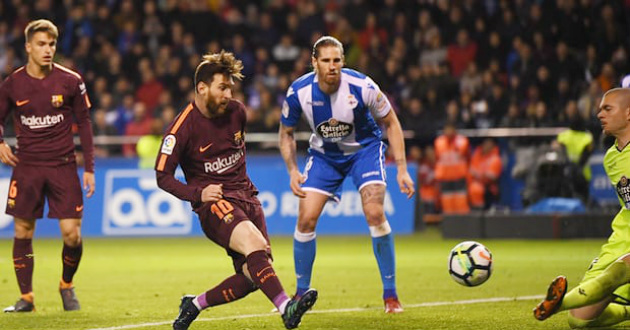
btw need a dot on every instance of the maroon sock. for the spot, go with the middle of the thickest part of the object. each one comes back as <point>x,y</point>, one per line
<point>264,276</point>
<point>232,288</point>
<point>71,257</point>
<point>23,262</point>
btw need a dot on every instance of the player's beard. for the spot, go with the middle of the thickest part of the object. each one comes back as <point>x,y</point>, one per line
<point>215,108</point>
<point>332,79</point>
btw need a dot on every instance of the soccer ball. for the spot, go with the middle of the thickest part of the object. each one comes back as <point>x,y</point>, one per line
<point>470,263</point>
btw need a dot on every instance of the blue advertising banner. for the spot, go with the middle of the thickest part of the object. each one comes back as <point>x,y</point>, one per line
<point>128,202</point>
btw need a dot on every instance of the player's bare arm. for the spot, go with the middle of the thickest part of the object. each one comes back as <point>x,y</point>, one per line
<point>288,151</point>
<point>7,156</point>
<point>212,193</point>
<point>89,184</point>
<point>397,143</point>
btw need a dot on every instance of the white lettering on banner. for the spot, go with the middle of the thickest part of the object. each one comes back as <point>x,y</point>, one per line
<point>142,213</point>
<point>134,205</point>
<point>40,122</point>
<point>350,205</point>
<point>5,219</point>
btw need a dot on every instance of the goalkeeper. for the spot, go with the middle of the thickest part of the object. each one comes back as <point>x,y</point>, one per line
<point>603,296</point>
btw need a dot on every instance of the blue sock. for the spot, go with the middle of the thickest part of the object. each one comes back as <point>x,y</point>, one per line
<point>384,252</point>
<point>304,248</point>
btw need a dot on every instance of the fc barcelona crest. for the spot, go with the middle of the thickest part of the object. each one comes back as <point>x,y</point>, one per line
<point>57,101</point>
<point>238,137</point>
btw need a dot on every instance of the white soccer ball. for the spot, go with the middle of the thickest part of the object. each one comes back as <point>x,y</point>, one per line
<point>470,263</point>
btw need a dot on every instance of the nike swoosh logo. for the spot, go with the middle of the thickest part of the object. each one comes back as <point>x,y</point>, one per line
<point>202,149</point>
<point>262,270</point>
<point>21,103</point>
<point>78,208</point>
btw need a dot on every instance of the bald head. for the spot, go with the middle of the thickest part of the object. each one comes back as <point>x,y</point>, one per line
<point>614,113</point>
<point>620,95</point>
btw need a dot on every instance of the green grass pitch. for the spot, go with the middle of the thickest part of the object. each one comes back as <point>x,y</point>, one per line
<point>136,283</point>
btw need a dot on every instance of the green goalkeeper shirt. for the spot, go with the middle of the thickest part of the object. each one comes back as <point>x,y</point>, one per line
<point>617,166</point>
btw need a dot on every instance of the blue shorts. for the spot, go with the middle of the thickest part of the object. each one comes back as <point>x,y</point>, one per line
<point>325,174</point>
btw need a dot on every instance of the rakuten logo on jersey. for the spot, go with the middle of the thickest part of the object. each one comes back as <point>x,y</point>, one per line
<point>34,122</point>
<point>221,165</point>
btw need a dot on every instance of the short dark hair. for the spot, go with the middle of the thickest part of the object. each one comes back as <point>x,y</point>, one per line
<point>326,41</point>
<point>40,25</point>
<point>223,62</point>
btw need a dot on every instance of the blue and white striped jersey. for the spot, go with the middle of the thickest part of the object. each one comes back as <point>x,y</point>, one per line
<point>343,122</point>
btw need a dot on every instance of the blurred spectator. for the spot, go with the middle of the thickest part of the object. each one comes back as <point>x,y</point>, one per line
<point>461,53</point>
<point>607,78</point>
<point>435,54</point>
<point>451,170</point>
<point>122,115</point>
<point>415,118</point>
<point>426,30</point>
<point>140,125</point>
<point>77,26</point>
<point>578,145</point>
<point>149,91</point>
<point>514,117</point>
<point>370,31</point>
<point>285,52</point>
<point>429,190</point>
<point>565,65</point>
<point>149,144</point>
<point>153,30</point>
<point>100,127</point>
<point>485,171</point>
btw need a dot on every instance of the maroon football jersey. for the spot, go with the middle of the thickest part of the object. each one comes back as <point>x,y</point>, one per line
<point>209,151</point>
<point>43,113</point>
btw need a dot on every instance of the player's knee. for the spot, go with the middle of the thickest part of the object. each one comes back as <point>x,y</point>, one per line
<point>24,229</point>
<point>246,238</point>
<point>306,224</point>
<point>72,239</point>
<point>625,258</point>
<point>374,215</point>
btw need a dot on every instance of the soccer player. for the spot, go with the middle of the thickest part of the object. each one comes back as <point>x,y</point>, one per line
<point>208,141</point>
<point>602,298</point>
<point>343,108</point>
<point>46,98</point>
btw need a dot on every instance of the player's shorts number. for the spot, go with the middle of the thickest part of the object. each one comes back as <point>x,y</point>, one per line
<point>13,189</point>
<point>221,208</point>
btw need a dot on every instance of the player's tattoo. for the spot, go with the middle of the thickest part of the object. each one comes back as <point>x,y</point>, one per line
<point>373,193</point>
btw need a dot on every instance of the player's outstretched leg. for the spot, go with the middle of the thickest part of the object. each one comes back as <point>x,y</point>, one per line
<point>232,288</point>
<point>187,313</point>
<point>296,308</point>
<point>550,305</point>
<point>383,245</point>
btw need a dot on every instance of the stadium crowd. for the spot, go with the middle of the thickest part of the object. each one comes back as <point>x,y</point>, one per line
<point>479,64</point>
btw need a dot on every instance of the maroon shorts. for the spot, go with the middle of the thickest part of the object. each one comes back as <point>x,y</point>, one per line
<point>219,219</point>
<point>31,184</point>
